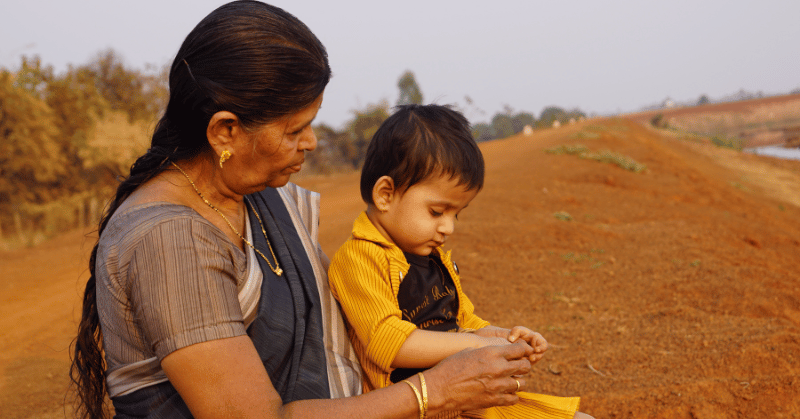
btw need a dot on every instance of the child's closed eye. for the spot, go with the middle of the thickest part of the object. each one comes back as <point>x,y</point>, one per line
<point>436,213</point>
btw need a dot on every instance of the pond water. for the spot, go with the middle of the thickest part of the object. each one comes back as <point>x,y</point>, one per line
<point>776,151</point>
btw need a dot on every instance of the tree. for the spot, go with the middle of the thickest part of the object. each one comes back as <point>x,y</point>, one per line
<point>658,121</point>
<point>140,96</point>
<point>502,125</point>
<point>332,147</point>
<point>521,119</point>
<point>360,131</point>
<point>483,132</point>
<point>76,104</point>
<point>33,77</point>
<point>410,92</point>
<point>31,164</point>
<point>703,100</point>
<point>551,114</point>
<point>47,122</point>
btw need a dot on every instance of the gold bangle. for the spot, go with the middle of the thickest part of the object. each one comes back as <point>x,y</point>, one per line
<point>419,399</point>
<point>424,394</point>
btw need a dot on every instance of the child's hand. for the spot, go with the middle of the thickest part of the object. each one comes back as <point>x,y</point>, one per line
<point>492,332</point>
<point>493,341</point>
<point>537,341</point>
<point>490,336</point>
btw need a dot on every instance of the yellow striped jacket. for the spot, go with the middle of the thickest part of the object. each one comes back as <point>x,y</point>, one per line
<point>365,276</point>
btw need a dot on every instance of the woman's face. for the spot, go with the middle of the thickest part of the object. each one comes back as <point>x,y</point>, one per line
<point>276,150</point>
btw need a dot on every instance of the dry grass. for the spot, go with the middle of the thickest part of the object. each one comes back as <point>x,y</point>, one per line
<point>603,156</point>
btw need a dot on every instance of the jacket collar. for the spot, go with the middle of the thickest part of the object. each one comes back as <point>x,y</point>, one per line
<point>363,229</point>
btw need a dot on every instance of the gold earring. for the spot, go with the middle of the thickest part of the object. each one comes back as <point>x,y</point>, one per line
<point>224,157</point>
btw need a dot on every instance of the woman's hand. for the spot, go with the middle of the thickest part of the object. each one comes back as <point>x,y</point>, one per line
<point>534,339</point>
<point>479,378</point>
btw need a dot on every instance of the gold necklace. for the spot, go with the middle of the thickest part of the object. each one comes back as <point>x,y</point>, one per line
<point>277,269</point>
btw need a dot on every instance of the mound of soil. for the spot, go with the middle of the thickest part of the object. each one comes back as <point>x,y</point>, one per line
<point>667,293</point>
<point>773,120</point>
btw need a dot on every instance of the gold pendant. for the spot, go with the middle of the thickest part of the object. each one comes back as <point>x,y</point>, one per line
<point>278,271</point>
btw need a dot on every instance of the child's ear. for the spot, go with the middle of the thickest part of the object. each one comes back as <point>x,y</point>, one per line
<point>383,192</point>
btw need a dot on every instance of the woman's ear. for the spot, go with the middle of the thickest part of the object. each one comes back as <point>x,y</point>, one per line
<point>223,131</point>
<point>383,193</point>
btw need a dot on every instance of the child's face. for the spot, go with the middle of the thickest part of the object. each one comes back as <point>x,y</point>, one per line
<point>420,218</point>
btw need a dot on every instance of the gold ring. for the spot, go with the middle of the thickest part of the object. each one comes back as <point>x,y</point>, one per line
<point>518,385</point>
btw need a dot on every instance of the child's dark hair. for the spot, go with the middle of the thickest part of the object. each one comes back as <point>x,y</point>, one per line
<point>419,141</point>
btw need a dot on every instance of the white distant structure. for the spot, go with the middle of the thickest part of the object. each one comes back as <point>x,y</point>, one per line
<point>556,124</point>
<point>527,130</point>
<point>572,121</point>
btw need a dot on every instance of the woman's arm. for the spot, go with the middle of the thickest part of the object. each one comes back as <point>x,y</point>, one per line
<point>224,378</point>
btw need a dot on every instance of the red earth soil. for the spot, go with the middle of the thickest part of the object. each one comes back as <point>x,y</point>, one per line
<point>669,293</point>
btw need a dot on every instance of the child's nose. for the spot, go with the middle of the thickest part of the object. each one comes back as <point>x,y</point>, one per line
<point>447,226</point>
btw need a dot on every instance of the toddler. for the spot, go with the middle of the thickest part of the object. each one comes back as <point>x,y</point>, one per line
<point>399,290</point>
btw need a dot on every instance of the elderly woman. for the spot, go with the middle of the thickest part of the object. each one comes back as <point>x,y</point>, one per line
<point>208,294</point>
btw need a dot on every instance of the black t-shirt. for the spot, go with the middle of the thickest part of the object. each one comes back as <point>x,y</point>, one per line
<point>427,298</point>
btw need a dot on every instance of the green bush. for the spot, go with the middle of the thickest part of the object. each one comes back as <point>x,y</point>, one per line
<point>604,156</point>
<point>728,142</point>
<point>576,149</point>
<point>658,121</point>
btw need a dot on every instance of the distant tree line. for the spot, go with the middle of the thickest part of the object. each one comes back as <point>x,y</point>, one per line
<point>53,178</point>
<point>47,168</point>
<point>346,147</point>
<point>508,122</point>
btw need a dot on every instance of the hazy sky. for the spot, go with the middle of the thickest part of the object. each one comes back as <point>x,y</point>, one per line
<point>601,56</point>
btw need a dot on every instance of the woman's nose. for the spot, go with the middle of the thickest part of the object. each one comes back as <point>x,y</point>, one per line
<point>308,140</point>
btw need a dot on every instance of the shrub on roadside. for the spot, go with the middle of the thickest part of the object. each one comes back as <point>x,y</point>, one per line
<point>604,156</point>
